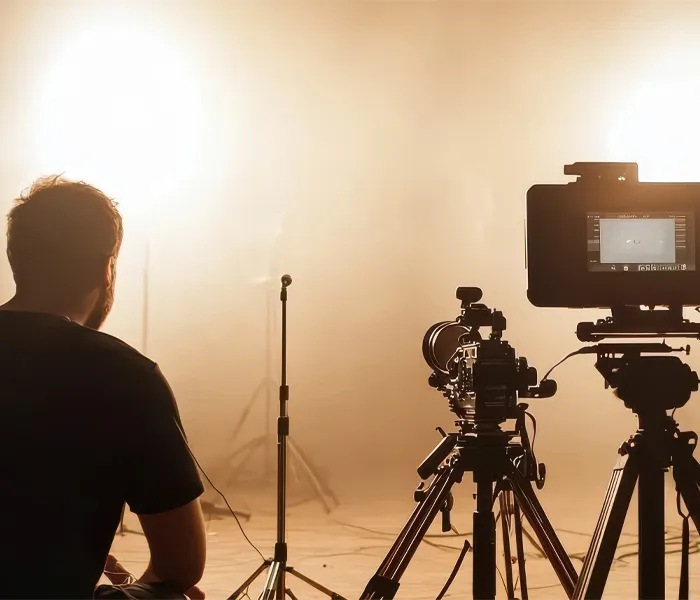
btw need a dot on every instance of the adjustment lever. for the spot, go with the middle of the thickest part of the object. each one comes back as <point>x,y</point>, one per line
<point>541,476</point>
<point>445,509</point>
<point>419,492</point>
<point>431,464</point>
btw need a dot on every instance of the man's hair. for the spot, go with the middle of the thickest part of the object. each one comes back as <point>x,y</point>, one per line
<point>59,230</point>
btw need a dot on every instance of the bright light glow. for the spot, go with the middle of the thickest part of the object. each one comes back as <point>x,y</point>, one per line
<point>120,110</point>
<point>660,130</point>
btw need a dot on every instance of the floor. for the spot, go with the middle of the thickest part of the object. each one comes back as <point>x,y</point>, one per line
<point>342,550</point>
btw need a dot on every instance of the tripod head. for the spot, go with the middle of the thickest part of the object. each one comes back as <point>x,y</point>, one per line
<point>646,384</point>
<point>515,442</point>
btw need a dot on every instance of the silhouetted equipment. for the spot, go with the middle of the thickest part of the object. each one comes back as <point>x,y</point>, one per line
<point>649,385</point>
<point>277,567</point>
<point>607,240</point>
<point>482,380</point>
<point>635,322</point>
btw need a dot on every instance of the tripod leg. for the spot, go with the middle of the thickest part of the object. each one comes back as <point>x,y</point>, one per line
<point>272,590</point>
<point>321,588</point>
<point>247,451</point>
<point>246,411</point>
<point>244,586</point>
<point>601,553</point>
<point>504,499</point>
<point>322,490</point>
<point>121,521</point>
<point>522,572</point>
<point>484,583</point>
<point>527,501</point>
<point>652,534</point>
<point>385,583</point>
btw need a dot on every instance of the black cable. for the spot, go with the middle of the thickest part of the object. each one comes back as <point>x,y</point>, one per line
<point>567,357</point>
<point>532,444</point>
<point>576,556</point>
<point>534,434</point>
<point>503,581</point>
<point>235,516</point>
<point>455,570</point>
<point>390,534</point>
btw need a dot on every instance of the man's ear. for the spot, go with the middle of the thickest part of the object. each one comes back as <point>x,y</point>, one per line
<point>110,272</point>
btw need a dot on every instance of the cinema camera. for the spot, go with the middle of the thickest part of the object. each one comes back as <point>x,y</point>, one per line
<point>483,380</point>
<point>608,241</point>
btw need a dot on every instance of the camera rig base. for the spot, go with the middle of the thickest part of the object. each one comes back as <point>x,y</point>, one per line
<point>501,466</point>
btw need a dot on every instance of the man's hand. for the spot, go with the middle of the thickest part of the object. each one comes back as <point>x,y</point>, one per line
<point>118,575</point>
<point>116,572</point>
<point>195,593</point>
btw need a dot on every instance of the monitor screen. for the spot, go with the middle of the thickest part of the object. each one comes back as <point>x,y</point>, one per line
<point>650,241</point>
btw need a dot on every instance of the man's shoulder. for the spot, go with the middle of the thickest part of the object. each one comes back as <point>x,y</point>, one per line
<point>105,347</point>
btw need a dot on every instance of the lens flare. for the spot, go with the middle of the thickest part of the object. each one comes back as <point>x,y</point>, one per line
<point>659,130</point>
<point>119,108</point>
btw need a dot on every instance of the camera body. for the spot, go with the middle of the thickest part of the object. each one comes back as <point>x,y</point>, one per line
<point>608,240</point>
<point>497,379</point>
<point>482,378</point>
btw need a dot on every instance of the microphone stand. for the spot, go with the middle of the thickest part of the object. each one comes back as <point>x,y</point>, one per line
<point>261,444</point>
<point>275,583</point>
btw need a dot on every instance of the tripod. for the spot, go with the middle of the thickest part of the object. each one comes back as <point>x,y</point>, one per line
<point>275,583</point>
<point>262,443</point>
<point>657,446</point>
<point>501,466</point>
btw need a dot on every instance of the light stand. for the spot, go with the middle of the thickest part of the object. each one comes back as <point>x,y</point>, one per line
<point>145,309</point>
<point>145,329</point>
<point>275,583</point>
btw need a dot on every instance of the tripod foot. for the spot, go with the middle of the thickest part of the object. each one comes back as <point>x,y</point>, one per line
<point>273,579</point>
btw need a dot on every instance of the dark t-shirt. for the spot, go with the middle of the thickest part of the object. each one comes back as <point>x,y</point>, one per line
<point>86,425</point>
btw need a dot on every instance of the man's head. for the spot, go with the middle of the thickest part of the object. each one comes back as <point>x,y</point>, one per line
<point>63,238</point>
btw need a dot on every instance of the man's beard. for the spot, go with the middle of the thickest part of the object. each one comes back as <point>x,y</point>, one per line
<point>99,312</point>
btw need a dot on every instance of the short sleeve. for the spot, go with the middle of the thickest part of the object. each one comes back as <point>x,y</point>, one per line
<point>161,474</point>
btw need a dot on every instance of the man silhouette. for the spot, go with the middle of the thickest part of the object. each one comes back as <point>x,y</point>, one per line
<point>87,423</point>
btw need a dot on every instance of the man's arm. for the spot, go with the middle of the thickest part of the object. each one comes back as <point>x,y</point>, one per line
<point>168,534</point>
<point>163,487</point>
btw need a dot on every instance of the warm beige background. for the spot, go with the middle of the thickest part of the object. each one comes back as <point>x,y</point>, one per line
<point>380,153</point>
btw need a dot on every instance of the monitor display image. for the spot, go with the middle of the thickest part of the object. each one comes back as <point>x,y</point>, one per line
<point>640,242</point>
